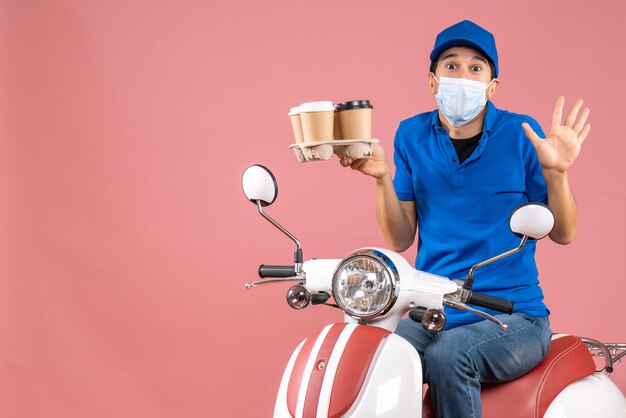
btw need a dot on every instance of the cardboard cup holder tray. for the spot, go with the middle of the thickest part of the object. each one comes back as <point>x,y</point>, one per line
<point>323,150</point>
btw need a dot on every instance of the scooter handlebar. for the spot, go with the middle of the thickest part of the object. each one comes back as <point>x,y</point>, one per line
<point>276,271</point>
<point>491,302</point>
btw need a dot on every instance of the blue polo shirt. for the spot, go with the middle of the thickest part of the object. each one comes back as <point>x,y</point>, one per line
<point>463,209</point>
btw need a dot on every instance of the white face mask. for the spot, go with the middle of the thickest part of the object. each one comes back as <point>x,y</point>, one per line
<point>460,99</point>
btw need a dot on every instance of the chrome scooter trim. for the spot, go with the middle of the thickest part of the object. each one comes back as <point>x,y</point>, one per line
<point>460,305</point>
<point>298,264</point>
<point>608,351</point>
<point>469,281</point>
<point>390,267</point>
<point>278,280</point>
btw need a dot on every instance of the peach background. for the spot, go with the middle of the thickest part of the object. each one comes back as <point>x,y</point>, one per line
<point>125,127</point>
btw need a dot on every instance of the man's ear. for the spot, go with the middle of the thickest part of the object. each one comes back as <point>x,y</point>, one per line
<point>492,88</point>
<point>432,83</point>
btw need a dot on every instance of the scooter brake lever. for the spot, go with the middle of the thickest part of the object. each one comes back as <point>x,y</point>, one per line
<point>278,280</point>
<point>460,305</point>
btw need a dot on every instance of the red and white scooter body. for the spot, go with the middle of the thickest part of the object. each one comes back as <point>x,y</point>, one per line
<point>349,370</point>
<point>593,396</point>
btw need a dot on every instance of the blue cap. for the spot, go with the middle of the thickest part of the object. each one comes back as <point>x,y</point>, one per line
<point>469,34</point>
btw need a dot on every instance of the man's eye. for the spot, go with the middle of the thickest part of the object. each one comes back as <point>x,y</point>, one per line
<point>450,66</point>
<point>477,68</point>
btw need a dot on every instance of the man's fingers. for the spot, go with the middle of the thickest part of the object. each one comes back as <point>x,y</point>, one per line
<point>358,163</point>
<point>571,117</point>
<point>558,111</point>
<point>531,134</point>
<point>581,121</point>
<point>583,134</point>
<point>345,161</point>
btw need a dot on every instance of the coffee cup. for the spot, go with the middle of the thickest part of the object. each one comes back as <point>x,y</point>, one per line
<point>317,120</point>
<point>355,119</point>
<point>296,124</point>
<point>336,125</point>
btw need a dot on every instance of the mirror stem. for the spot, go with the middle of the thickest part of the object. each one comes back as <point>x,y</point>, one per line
<point>469,281</point>
<point>297,257</point>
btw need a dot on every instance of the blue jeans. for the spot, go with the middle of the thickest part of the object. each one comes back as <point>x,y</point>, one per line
<point>455,362</point>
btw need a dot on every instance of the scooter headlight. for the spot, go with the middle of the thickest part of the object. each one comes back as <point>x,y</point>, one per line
<point>366,284</point>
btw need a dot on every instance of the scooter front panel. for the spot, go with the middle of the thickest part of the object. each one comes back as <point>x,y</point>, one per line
<point>280,408</point>
<point>351,373</point>
<point>393,386</point>
<point>311,371</point>
<point>331,368</point>
<point>297,371</point>
<point>323,365</point>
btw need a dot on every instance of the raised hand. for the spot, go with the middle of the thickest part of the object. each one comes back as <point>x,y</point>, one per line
<point>562,145</point>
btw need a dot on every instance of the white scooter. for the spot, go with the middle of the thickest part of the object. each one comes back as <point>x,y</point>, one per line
<point>359,368</point>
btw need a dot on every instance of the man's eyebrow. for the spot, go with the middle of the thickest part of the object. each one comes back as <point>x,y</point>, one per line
<point>449,56</point>
<point>479,58</point>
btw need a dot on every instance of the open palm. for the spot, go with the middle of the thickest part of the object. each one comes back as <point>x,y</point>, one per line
<point>562,145</point>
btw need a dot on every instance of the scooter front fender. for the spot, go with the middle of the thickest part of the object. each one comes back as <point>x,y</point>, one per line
<point>349,370</point>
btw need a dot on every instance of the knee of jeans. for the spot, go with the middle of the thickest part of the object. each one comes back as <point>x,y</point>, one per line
<point>405,329</point>
<point>444,359</point>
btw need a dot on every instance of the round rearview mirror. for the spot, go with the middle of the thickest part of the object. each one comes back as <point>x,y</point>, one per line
<point>259,184</point>
<point>534,220</point>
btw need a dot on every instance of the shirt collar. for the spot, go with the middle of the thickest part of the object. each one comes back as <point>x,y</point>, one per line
<point>490,118</point>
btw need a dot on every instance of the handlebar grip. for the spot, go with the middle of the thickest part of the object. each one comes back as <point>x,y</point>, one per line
<point>491,302</point>
<point>276,271</point>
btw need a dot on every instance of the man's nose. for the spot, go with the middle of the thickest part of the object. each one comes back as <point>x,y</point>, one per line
<point>465,72</point>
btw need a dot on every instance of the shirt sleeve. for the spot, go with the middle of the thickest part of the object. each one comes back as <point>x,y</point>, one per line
<point>535,183</point>
<point>402,181</point>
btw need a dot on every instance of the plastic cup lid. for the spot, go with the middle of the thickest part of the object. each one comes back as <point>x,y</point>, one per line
<point>317,107</point>
<point>354,104</point>
<point>294,111</point>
